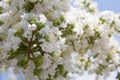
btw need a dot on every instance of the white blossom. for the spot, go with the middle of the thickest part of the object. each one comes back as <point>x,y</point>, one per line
<point>52,39</point>
<point>32,27</point>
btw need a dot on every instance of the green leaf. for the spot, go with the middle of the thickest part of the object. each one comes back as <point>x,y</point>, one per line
<point>40,25</point>
<point>19,34</point>
<point>1,38</point>
<point>11,54</point>
<point>46,37</point>
<point>118,52</point>
<point>28,6</point>
<point>1,23</point>
<point>22,50</point>
<point>118,76</point>
<point>60,70</point>
<point>1,9</point>
<point>96,55</point>
<point>37,72</point>
<point>31,20</point>
<point>38,61</point>
<point>68,30</point>
<point>56,22</point>
<point>37,36</point>
<point>102,20</point>
<point>91,10</point>
<point>85,27</point>
<point>112,24</point>
<point>23,63</point>
<point>87,4</point>
<point>97,34</point>
<point>9,1</point>
<point>84,2</point>
<point>52,54</point>
<point>62,18</point>
<point>87,64</point>
<point>100,69</point>
<point>50,78</point>
<point>117,30</point>
<point>108,59</point>
<point>91,40</point>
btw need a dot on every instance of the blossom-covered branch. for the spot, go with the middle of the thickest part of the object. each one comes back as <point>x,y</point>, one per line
<point>50,39</point>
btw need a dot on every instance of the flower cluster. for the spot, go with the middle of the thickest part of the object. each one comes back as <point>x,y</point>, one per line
<point>50,39</point>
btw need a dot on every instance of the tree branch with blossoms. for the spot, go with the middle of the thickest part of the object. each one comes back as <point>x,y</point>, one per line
<point>49,40</point>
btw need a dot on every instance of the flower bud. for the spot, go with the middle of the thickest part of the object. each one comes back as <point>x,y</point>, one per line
<point>32,27</point>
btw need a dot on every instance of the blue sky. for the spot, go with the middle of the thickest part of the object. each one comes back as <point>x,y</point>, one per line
<point>113,5</point>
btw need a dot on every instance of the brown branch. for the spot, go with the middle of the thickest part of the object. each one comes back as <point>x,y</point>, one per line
<point>30,43</point>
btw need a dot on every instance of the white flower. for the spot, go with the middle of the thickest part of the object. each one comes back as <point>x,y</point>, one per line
<point>117,24</point>
<point>51,47</point>
<point>47,61</point>
<point>42,18</point>
<point>60,78</point>
<point>93,6</point>
<point>32,27</point>
<point>108,16</point>
<point>51,69</point>
<point>11,42</point>
<point>78,29</point>
<point>58,45</point>
<point>27,34</point>
<point>24,16</point>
